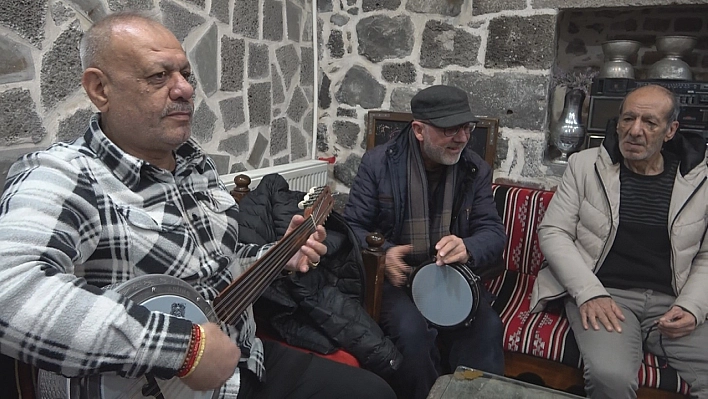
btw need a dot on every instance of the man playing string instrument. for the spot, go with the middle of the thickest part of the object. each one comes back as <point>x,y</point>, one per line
<point>136,196</point>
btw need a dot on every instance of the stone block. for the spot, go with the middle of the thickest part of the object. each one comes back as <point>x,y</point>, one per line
<point>61,13</point>
<point>258,61</point>
<point>521,41</point>
<point>324,5</point>
<point>533,157</point>
<point>399,73</point>
<point>278,136</point>
<point>374,5</point>
<point>204,56</point>
<point>289,63</point>
<point>360,88</point>
<point>346,133</point>
<point>345,171</point>
<point>353,11</point>
<point>338,19</point>
<point>259,148</point>
<point>382,37</point>
<point>203,123</point>
<point>322,138</point>
<point>443,45</point>
<point>232,112</point>
<point>576,47</point>
<point>480,7</point>
<point>74,126</point>
<point>278,90</point>
<point>198,3</point>
<point>450,8</point>
<point>298,105</point>
<point>401,98</point>
<point>307,123</point>
<point>656,24</point>
<point>428,79</point>
<point>235,145</point>
<point>284,160</point>
<point>298,144</point>
<point>220,10</point>
<point>246,18</point>
<point>273,13</point>
<point>8,157</point>
<point>259,100</point>
<point>19,121</point>
<point>688,24</point>
<point>335,44</point>
<point>26,18</point>
<point>307,66</point>
<point>61,67</point>
<point>324,97</point>
<point>222,163</point>
<point>581,4</point>
<point>16,64</point>
<point>627,25</point>
<point>178,19</point>
<point>94,9</point>
<point>294,16</point>
<point>232,57</point>
<point>517,99</point>
<point>238,167</point>
<point>120,5</point>
<point>347,112</point>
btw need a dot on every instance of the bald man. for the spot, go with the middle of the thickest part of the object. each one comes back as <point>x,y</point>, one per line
<point>624,237</point>
<point>135,196</point>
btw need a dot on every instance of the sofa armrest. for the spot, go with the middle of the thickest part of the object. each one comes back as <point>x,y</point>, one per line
<point>242,182</point>
<point>374,258</point>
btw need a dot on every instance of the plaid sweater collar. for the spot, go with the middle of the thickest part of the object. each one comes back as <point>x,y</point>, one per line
<point>128,168</point>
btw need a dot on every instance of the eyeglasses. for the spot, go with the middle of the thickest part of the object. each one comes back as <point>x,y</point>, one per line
<point>466,128</point>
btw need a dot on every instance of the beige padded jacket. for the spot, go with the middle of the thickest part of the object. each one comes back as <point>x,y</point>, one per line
<point>580,225</point>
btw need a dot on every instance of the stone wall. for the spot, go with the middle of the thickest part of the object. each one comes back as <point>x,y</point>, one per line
<point>376,54</point>
<point>253,62</point>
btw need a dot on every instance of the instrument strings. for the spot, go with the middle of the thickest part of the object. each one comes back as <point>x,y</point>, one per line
<point>250,285</point>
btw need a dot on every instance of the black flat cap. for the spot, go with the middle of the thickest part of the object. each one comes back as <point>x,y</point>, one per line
<point>442,106</point>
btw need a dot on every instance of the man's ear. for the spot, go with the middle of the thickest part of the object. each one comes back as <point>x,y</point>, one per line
<point>672,131</point>
<point>418,130</point>
<point>94,82</point>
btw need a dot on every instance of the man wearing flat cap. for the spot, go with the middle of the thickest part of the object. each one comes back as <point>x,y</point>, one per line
<point>431,198</point>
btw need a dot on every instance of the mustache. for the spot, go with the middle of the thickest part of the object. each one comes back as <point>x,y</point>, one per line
<point>180,107</point>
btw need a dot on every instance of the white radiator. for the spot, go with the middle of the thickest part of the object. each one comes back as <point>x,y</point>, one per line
<point>301,176</point>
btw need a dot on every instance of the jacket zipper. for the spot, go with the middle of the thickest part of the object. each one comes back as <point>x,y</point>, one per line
<point>673,263</point>
<point>609,207</point>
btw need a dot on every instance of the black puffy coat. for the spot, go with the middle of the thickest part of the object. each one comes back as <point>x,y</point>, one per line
<point>320,310</point>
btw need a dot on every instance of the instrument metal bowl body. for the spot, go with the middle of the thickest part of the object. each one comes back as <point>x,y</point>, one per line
<point>160,293</point>
<point>447,296</point>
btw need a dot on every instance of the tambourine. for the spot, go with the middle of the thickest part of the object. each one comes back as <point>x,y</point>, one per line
<point>447,296</point>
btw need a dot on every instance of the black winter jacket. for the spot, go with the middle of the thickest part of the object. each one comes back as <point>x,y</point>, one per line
<point>320,310</point>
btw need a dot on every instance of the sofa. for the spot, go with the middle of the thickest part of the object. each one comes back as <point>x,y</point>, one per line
<point>542,344</point>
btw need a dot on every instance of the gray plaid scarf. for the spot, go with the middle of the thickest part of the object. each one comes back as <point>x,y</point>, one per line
<point>423,226</point>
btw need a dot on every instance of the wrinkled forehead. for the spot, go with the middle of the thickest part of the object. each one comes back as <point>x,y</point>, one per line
<point>145,40</point>
<point>648,99</point>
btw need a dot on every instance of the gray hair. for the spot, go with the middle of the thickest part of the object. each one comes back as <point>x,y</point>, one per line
<point>98,36</point>
<point>675,109</point>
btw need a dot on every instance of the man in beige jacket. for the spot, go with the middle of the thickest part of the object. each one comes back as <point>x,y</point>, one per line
<point>624,237</point>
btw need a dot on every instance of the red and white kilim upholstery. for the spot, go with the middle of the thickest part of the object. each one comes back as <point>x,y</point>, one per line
<point>547,334</point>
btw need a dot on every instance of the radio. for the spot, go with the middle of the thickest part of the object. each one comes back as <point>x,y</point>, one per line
<point>606,97</point>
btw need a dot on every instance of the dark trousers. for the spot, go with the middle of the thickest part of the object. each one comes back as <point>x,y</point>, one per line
<point>294,374</point>
<point>478,346</point>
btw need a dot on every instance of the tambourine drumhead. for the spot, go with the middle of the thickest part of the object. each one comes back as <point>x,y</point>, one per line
<point>443,295</point>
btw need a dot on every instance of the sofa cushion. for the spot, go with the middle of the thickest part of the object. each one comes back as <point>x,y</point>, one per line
<point>545,334</point>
